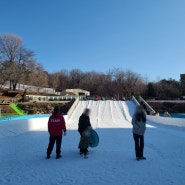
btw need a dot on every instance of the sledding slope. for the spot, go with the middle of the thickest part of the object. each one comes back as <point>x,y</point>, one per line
<point>105,114</point>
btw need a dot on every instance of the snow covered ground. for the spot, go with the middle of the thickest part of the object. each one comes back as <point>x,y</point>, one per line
<point>23,145</point>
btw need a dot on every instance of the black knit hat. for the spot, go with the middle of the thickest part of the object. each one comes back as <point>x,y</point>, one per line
<point>56,109</point>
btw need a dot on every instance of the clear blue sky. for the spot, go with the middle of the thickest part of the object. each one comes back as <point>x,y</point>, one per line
<point>145,36</point>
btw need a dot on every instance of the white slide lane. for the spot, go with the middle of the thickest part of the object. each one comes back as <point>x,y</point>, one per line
<point>104,114</point>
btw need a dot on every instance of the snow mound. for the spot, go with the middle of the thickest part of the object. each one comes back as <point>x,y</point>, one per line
<point>178,122</point>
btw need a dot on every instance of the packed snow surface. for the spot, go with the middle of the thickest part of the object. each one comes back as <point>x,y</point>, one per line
<point>23,146</point>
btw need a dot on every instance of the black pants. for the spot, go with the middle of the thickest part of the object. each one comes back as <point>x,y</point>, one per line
<point>139,145</point>
<point>52,140</point>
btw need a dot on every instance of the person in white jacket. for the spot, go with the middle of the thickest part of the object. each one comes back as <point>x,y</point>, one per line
<point>139,127</point>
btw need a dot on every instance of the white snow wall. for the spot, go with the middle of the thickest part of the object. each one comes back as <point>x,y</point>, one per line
<point>16,127</point>
<point>12,127</point>
<point>115,114</point>
<point>178,122</point>
<point>104,114</point>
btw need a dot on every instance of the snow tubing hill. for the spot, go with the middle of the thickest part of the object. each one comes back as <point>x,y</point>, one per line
<point>93,139</point>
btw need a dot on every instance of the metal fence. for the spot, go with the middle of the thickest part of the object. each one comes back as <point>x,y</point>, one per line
<point>31,88</point>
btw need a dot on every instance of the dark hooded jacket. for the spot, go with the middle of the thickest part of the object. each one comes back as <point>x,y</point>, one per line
<point>84,123</point>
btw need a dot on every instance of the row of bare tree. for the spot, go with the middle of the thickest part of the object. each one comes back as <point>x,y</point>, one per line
<point>116,81</point>
<point>17,65</point>
<point>166,89</point>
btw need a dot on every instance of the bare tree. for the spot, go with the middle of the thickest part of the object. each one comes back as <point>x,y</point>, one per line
<point>116,81</point>
<point>14,57</point>
<point>37,76</point>
<point>54,80</point>
<point>4,77</point>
